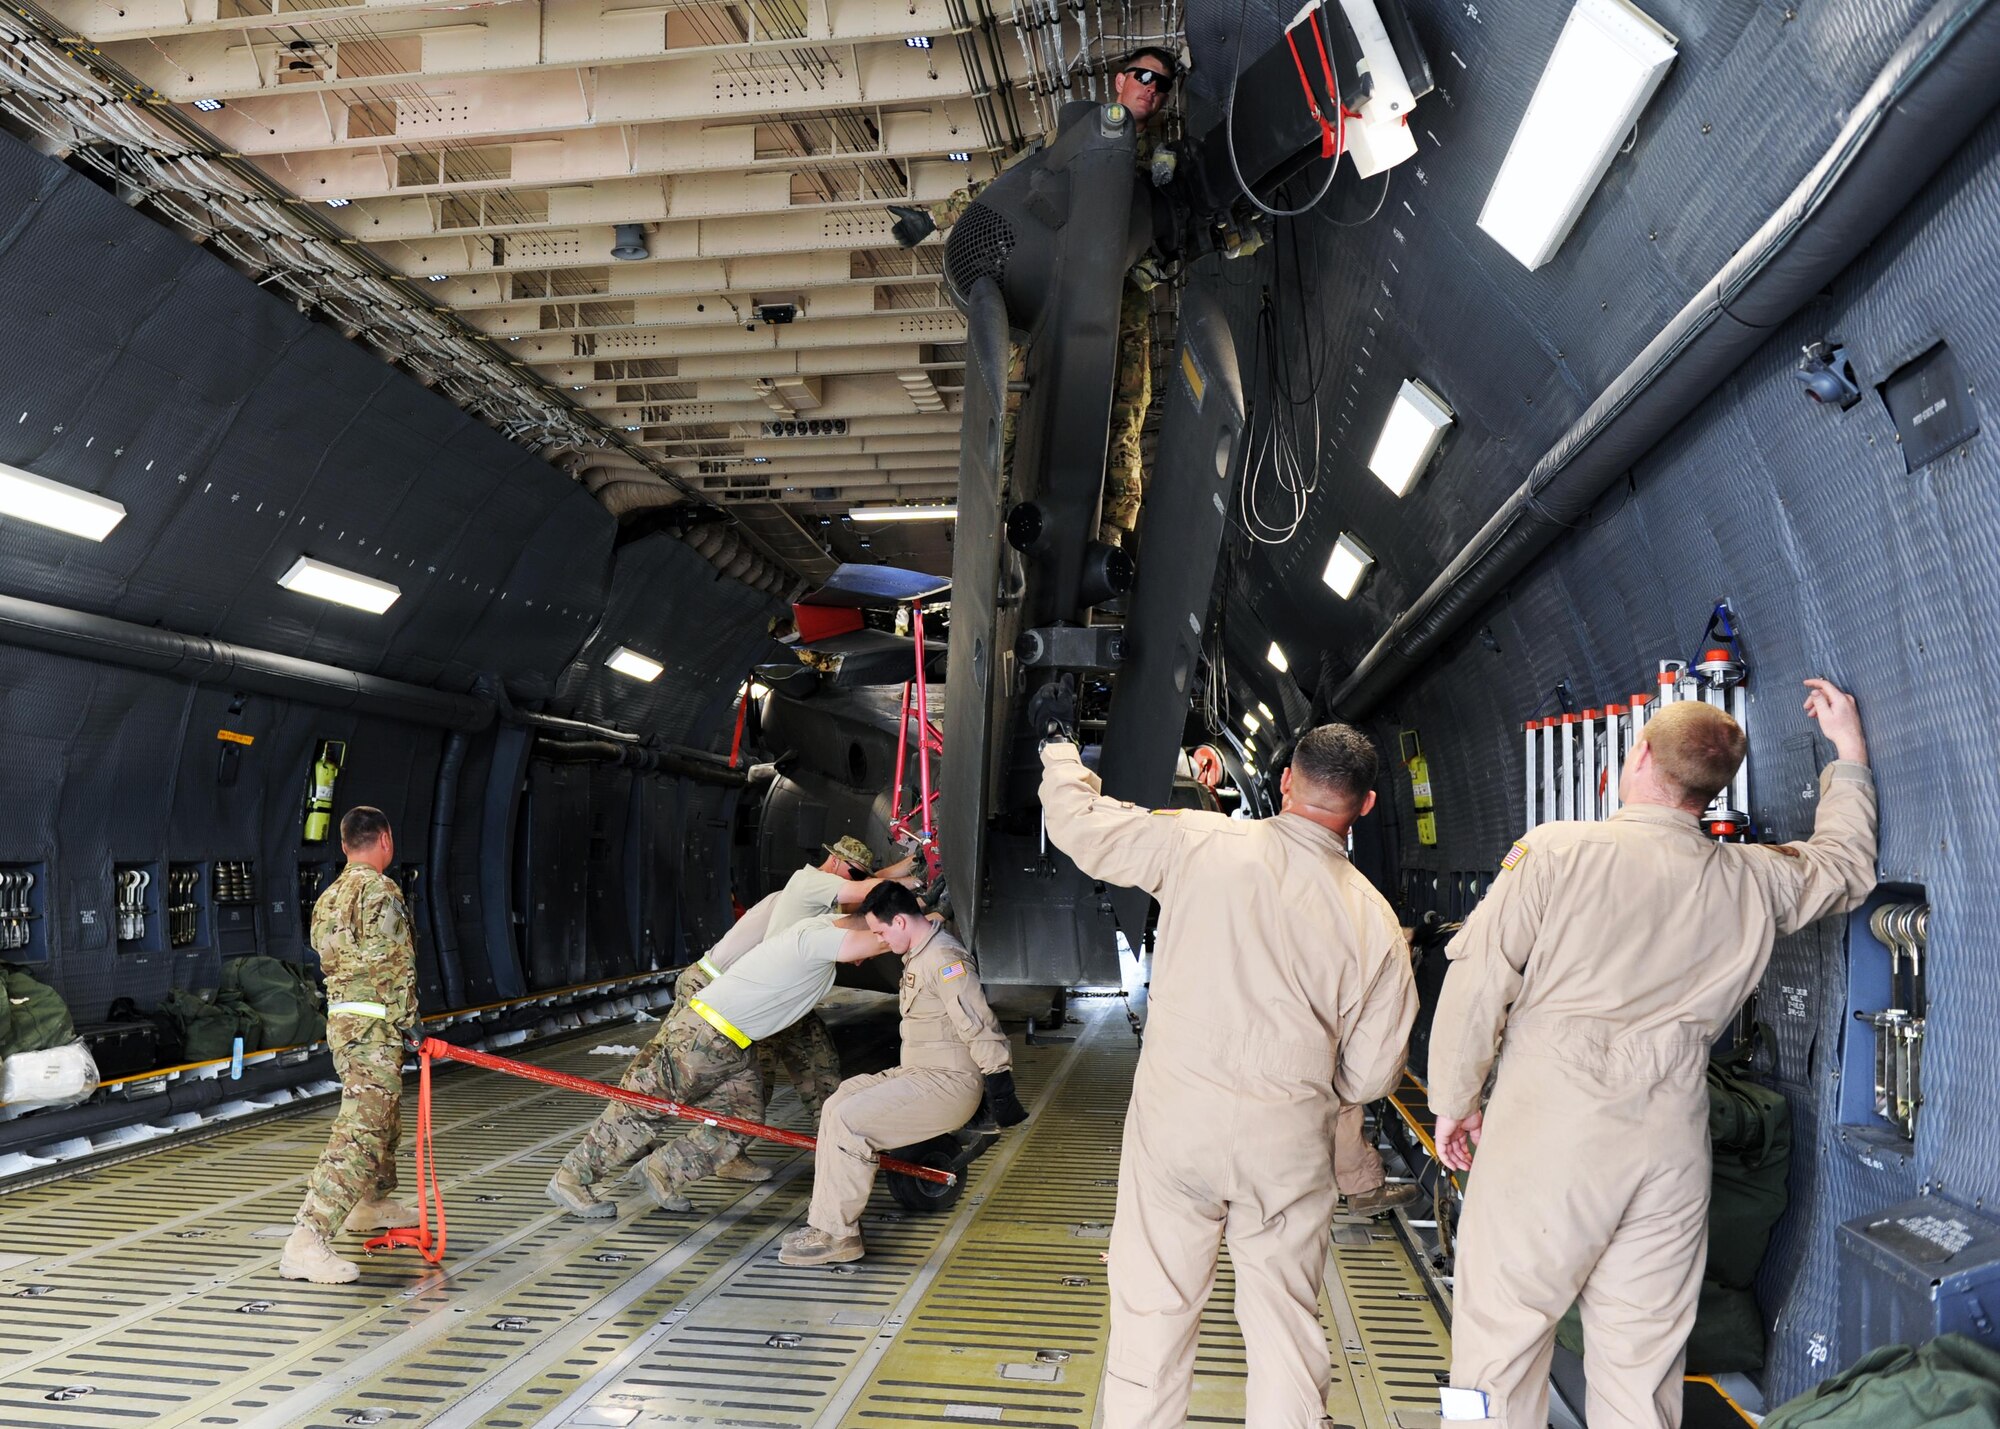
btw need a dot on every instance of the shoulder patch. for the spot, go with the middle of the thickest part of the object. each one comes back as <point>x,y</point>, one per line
<point>1786,849</point>
<point>1514,855</point>
<point>1166,813</point>
<point>951,971</point>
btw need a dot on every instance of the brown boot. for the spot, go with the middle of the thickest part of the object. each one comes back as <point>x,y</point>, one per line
<point>376,1214</point>
<point>741,1168</point>
<point>1382,1200</point>
<point>307,1256</point>
<point>578,1199</point>
<point>813,1246</point>
<point>660,1186</point>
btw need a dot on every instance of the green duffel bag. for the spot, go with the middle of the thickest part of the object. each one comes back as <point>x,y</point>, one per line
<point>1952,1382</point>
<point>243,1018</point>
<point>1750,1130</point>
<point>288,1003</point>
<point>193,1029</point>
<point>37,1017</point>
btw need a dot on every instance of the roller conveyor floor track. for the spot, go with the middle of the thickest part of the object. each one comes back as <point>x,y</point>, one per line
<point>146,1292</point>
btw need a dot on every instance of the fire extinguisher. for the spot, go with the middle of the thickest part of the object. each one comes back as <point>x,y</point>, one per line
<point>319,801</point>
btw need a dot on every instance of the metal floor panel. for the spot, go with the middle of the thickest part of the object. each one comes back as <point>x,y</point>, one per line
<point>145,1292</point>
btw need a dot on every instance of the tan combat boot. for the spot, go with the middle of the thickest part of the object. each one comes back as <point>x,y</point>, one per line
<point>660,1186</point>
<point>741,1168</point>
<point>377,1214</point>
<point>1382,1200</point>
<point>576,1198</point>
<point>813,1246</point>
<point>307,1256</point>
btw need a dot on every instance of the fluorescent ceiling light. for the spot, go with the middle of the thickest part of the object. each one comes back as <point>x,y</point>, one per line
<point>342,202</point>
<point>1346,566</point>
<point>959,156</point>
<point>208,106</point>
<point>59,507</point>
<point>1250,722</point>
<point>1608,61</point>
<point>903,513</point>
<point>1415,427</point>
<point>317,578</point>
<point>1250,745</point>
<point>1277,658</point>
<point>434,278</point>
<point>918,42</point>
<point>631,662</point>
<point>1265,710</point>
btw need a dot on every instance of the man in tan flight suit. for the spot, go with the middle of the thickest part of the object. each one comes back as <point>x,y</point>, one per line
<point>953,1050</point>
<point>361,931</point>
<point>1281,988</point>
<point>1612,955</point>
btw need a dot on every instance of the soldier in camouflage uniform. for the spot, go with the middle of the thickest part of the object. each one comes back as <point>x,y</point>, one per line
<point>361,931</point>
<point>1132,392</point>
<point>704,1055</point>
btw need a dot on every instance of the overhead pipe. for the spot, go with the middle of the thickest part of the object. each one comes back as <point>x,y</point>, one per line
<point>683,763</point>
<point>492,687</point>
<point>1932,93</point>
<point>58,630</point>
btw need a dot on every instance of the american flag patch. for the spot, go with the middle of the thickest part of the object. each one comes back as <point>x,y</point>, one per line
<point>955,970</point>
<point>1514,855</point>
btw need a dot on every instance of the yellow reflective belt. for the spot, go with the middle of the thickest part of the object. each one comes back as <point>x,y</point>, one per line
<point>710,968</point>
<point>718,1022</point>
<point>360,1009</point>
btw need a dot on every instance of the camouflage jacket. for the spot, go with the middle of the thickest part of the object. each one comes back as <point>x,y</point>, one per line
<point>361,931</point>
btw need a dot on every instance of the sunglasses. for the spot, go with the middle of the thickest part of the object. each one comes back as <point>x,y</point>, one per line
<point>1151,78</point>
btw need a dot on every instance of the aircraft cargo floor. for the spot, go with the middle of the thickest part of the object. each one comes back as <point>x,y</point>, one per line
<point>146,1292</point>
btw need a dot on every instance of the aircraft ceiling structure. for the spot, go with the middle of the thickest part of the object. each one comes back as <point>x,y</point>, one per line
<point>476,166</point>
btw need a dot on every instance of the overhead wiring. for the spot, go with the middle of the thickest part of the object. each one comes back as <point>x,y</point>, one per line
<point>1229,127</point>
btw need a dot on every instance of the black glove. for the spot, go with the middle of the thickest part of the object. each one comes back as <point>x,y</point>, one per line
<point>912,226</point>
<point>1001,1101</point>
<point>1052,713</point>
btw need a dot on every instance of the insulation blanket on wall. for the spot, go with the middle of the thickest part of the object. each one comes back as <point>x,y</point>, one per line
<point>57,1076</point>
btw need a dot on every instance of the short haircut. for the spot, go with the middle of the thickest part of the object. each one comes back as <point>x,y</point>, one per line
<point>1695,746</point>
<point>362,827</point>
<point>1338,759</point>
<point>890,901</point>
<point>1165,56</point>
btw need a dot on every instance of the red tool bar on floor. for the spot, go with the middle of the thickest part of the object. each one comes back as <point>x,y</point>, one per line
<point>429,1193</point>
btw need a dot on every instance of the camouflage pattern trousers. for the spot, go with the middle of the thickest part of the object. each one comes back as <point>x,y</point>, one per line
<point>687,1061</point>
<point>803,1052</point>
<point>359,1162</point>
<point>1131,399</point>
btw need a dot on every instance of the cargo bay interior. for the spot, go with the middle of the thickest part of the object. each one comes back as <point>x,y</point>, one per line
<point>582,327</point>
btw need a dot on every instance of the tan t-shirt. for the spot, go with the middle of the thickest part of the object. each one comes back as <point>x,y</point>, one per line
<point>809,893</point>
<point>778,981</point>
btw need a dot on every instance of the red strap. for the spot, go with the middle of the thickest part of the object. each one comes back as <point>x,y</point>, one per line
<point>429,1192</point>
<point>736,744</point>
<point>1326,135</point>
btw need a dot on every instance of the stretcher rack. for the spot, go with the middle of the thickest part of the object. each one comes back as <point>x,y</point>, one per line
<point>1573,761</point>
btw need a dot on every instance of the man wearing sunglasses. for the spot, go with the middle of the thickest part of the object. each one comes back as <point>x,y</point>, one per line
<point>1141,82</point>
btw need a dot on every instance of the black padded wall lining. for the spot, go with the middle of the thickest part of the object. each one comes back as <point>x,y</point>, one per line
<point>1838,563</point>
<point>1755,95</point>
<point>239,436</point>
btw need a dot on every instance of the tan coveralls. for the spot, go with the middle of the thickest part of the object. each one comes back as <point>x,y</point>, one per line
<point>951,1039</point>
<point>1281,988</point>
<point>1612,954</point>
